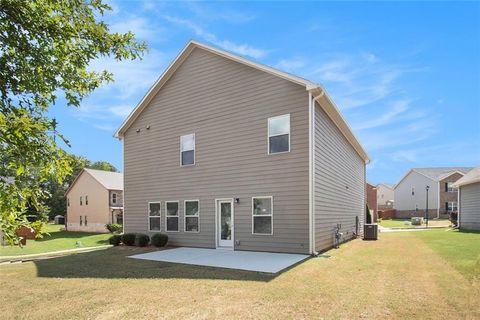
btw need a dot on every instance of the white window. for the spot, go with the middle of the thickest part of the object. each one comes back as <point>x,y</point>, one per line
<point>154,216</point>
<point>450,187</point>
<point>114,198</point>
<point>86,222</point>
<point>86,203</point>
<point>192,214</point>
<point>262,215</point>
<point>413,191</point>
<point>81,200</point>
<point>171,213</point>
<point>187,149</point>
<point>81,221</point>
<point>279,134</point>
<point>452,206</point>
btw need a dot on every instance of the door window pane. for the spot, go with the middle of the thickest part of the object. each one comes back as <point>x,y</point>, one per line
<point>226,221</point>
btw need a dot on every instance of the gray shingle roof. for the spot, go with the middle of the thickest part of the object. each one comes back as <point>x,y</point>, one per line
<point>110,180</point>
<point>438,173</point>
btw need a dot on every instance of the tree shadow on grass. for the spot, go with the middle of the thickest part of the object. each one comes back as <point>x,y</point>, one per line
<point>113,264</point>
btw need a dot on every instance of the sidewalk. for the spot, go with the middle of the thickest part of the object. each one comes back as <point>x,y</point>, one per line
<point>47,255</point>
<point>383,229</point>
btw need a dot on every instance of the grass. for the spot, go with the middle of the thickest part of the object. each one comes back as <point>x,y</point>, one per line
<point>400,223</point>
<point>58,239</point>
<point>460,248</point>
<point>402,276</point>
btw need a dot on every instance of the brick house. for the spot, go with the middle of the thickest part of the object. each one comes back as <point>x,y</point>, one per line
<point>411,192</point>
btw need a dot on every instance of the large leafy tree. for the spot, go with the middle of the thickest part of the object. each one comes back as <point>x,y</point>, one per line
<point>45,49</point>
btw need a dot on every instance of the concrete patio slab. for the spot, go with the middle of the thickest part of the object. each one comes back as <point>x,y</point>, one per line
<point>241,260</point>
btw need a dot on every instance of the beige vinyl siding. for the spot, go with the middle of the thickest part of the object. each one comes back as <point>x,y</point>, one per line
<point>97,210</point>
<point>227,106</point>
<point>337,166</point>
<point>470,206</point>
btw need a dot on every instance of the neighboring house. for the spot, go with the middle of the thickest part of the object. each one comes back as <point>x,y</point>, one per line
<point>372,199</point>
<point>223,152</point>
<point>94,199</point>
<point>469,200</point>
<point>385,196</point>
<point>410,192</point>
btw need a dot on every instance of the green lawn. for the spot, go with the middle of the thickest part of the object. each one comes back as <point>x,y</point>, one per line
<point>57,240</point>
<point>403,275</point>
<point>400,223</point>
<point>460,248</point>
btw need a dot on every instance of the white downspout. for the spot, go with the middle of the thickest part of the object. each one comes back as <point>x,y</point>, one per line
<point>311,184</point>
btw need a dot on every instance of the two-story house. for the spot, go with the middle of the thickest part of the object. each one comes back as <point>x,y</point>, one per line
<point>223,152</point>
<point>411,192</point>
<point>385,196</point>
<point>94,199</point>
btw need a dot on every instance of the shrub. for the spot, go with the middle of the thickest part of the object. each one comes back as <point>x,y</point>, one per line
<point>114,227</point>
<point>454,219</point>
<point>128,239</point>
<point>142,240</point>
<point>115,239</point>
<point>159,239</point>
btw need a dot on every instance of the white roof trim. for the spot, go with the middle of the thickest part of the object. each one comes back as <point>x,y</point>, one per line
<point>449,174</point>
<point>317,91</point>
<point>410,171</point>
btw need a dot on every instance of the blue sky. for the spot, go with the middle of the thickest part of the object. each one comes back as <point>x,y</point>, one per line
<point>405,75</point>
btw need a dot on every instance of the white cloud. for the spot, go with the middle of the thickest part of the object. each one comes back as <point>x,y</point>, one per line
<point>242,49</point>
<point>141,27</point>
<point>291,64</point>
<point>397,108</point>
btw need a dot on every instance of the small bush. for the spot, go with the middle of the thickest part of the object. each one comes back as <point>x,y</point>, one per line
<point>128,239</point>
<point>142,240</point>
<point>159,239</point>
<point>115,239</point>
<point>114,227</point>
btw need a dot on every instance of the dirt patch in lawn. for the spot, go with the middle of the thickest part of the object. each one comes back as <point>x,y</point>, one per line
<point>398,276</point>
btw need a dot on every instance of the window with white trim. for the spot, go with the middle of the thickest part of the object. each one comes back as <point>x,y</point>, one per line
<point>187,149</point>
<point>450,187</point>
<point>279,134</point>
<point>154,216</point>
<point>86,203</point>
<point>192,216</point>
<point>452,206</point>
<point>262,215</point>
<point>413,191</point>
<point>171,214</point>
<point>81,221</point>
<point>81,200</point>
<point>114,198</point>
<point>86,221</point>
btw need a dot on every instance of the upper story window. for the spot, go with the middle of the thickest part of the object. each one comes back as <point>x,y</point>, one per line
<point>279,134</point>
<point>449,187</point>
<point>68,202</point>
<point>413,191</point>
<point>81,200</point>
<point>114,198</point>
<point>187,149</point>
<point>86,201</point>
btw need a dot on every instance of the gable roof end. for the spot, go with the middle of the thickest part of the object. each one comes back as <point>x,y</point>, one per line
<point>108,179</point>
<point>318,93</point>
<point>473,176</point>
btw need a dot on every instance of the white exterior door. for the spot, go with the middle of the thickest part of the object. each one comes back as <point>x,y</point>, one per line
<point>225,223</point>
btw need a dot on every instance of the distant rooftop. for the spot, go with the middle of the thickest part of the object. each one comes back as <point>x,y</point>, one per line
<point>438,173</point>
<point>472,176</point>
<point>110,180</point>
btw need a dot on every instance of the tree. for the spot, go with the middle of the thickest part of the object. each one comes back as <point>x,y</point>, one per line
<point>103,165</point>
<point>45,49</point>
